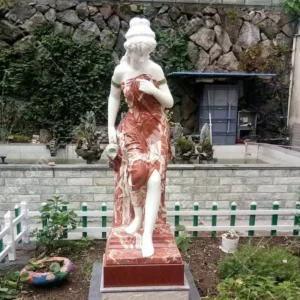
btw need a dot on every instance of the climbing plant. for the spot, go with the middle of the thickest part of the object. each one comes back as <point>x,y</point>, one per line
<point>292,7</point>
<point>171,51</point>
<point>57,80</point>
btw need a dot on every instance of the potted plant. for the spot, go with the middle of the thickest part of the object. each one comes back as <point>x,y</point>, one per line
<point>229,242</point>
<point>89,138</point>
<point>57,222</point>
<point>47,270</point>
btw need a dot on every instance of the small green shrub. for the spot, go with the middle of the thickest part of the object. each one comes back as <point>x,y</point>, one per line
<point>57,222</point>
<point>183,240</point>
<point>253,287</point>
<point>185,145</point>
<point>274,262</point>
<point>232,15</point>
<point>18,138</point>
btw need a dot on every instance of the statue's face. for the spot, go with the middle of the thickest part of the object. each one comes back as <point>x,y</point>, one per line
<point>139,56</point>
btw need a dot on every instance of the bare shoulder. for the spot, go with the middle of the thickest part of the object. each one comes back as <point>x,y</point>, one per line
<point>156,70</point>
<point>119,73</point>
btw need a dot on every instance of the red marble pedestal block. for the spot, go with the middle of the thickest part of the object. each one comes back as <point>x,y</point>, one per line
<point>124,265</point>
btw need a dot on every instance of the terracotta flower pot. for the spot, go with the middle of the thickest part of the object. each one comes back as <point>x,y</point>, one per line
<point>38,278</point>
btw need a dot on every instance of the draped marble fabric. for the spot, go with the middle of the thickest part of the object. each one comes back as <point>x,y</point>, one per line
<point>143,138</point>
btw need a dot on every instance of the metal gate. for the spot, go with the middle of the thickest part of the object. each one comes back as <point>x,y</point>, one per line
<point>219,109</point>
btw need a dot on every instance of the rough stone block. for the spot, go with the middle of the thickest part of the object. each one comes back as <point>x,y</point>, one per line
<point>219,189</point>
<point>220,173</point>
<point>194,189</point>
<point>67,173</point>
<point>272,188</point>
<point>231,197</point>
<point>21,181</point>
<point>234,2</point>
<point>110,189</point>
<point>93,189</point>
<point>110,173</point>
<point>181,181</point>
<point>67,190</point>
<point>39,189</point>
<point>274,173</point>
<point>104,181</point>
<point>287,180</point>
<point>194,173</point>
<point>93,173</point>
<point>174,173</point>
<point>293,189</point>
<point>104,198</point>
<point>173,189</point>
<point>11,174</point>
<point>206,197</point>
<point>246,173</point>
<point>80,181</point>
<point>244,188</point>
<point>38,173</point>
<point>30,199</point>
<point>81,198</point>
<point>1,181</point>
<point>13,190</point>
<point>53,181</point>
<point>294,173</point>
<point>258,2</point>
<point>221,204</point>
<point>232,180</point>
<point>259,180</point>
<point>179,197</point>
<point>207,181</point>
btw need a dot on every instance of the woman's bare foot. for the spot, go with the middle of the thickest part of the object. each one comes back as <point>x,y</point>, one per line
<point>135,225</point>
<point>147,246</point>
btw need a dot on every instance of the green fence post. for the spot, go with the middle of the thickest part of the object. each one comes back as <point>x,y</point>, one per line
<point>65,208</point>
<point>177,219</point>
<point>195,220</point>
<point>232,217</point>
<point>297,219</point>
<point>214,219</point>
<point>104,220</point>
<point>44,222</point>
<point>252,218</point>
<point>19,227</point>
<point>275,218</point>
<point>84,219</point>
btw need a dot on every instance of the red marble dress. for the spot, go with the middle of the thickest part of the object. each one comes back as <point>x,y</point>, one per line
<point>143,146</point>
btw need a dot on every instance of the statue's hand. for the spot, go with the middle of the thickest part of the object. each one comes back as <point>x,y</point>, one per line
<point>146,86</point>
<point>112,135</point>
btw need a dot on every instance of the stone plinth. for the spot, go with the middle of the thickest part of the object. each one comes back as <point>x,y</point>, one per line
<point>188,291</point>
<point>124,265</point>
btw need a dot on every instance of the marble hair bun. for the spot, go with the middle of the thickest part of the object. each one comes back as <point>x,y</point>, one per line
<point>140,32</point>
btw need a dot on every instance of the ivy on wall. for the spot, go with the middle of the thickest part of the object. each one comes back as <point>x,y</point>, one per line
<point>292,7</point>
<point>57,80</point>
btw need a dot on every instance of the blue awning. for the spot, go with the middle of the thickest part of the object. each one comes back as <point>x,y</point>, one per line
<point>237,75</point>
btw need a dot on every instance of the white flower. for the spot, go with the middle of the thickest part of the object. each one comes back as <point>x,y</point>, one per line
<point>284,261</point>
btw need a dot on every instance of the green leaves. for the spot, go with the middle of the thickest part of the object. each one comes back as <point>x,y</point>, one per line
<point>58,80</point>
<point>292,7</point>
<point>57,222</point>
<point>183,242</point>
<point>55,267</point>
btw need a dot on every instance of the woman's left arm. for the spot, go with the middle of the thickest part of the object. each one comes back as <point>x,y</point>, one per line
<point>162,93</point>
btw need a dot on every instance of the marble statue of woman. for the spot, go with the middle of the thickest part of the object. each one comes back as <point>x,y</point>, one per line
<point>142,137</point>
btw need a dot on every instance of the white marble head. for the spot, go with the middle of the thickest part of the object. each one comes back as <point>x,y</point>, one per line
<point>140,40</point>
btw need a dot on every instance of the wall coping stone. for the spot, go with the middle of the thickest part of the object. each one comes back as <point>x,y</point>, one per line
<point>104,167</point>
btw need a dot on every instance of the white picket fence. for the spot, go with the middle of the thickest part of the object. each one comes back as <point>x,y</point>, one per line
<point>16,229</point>
<point>12,235</point>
